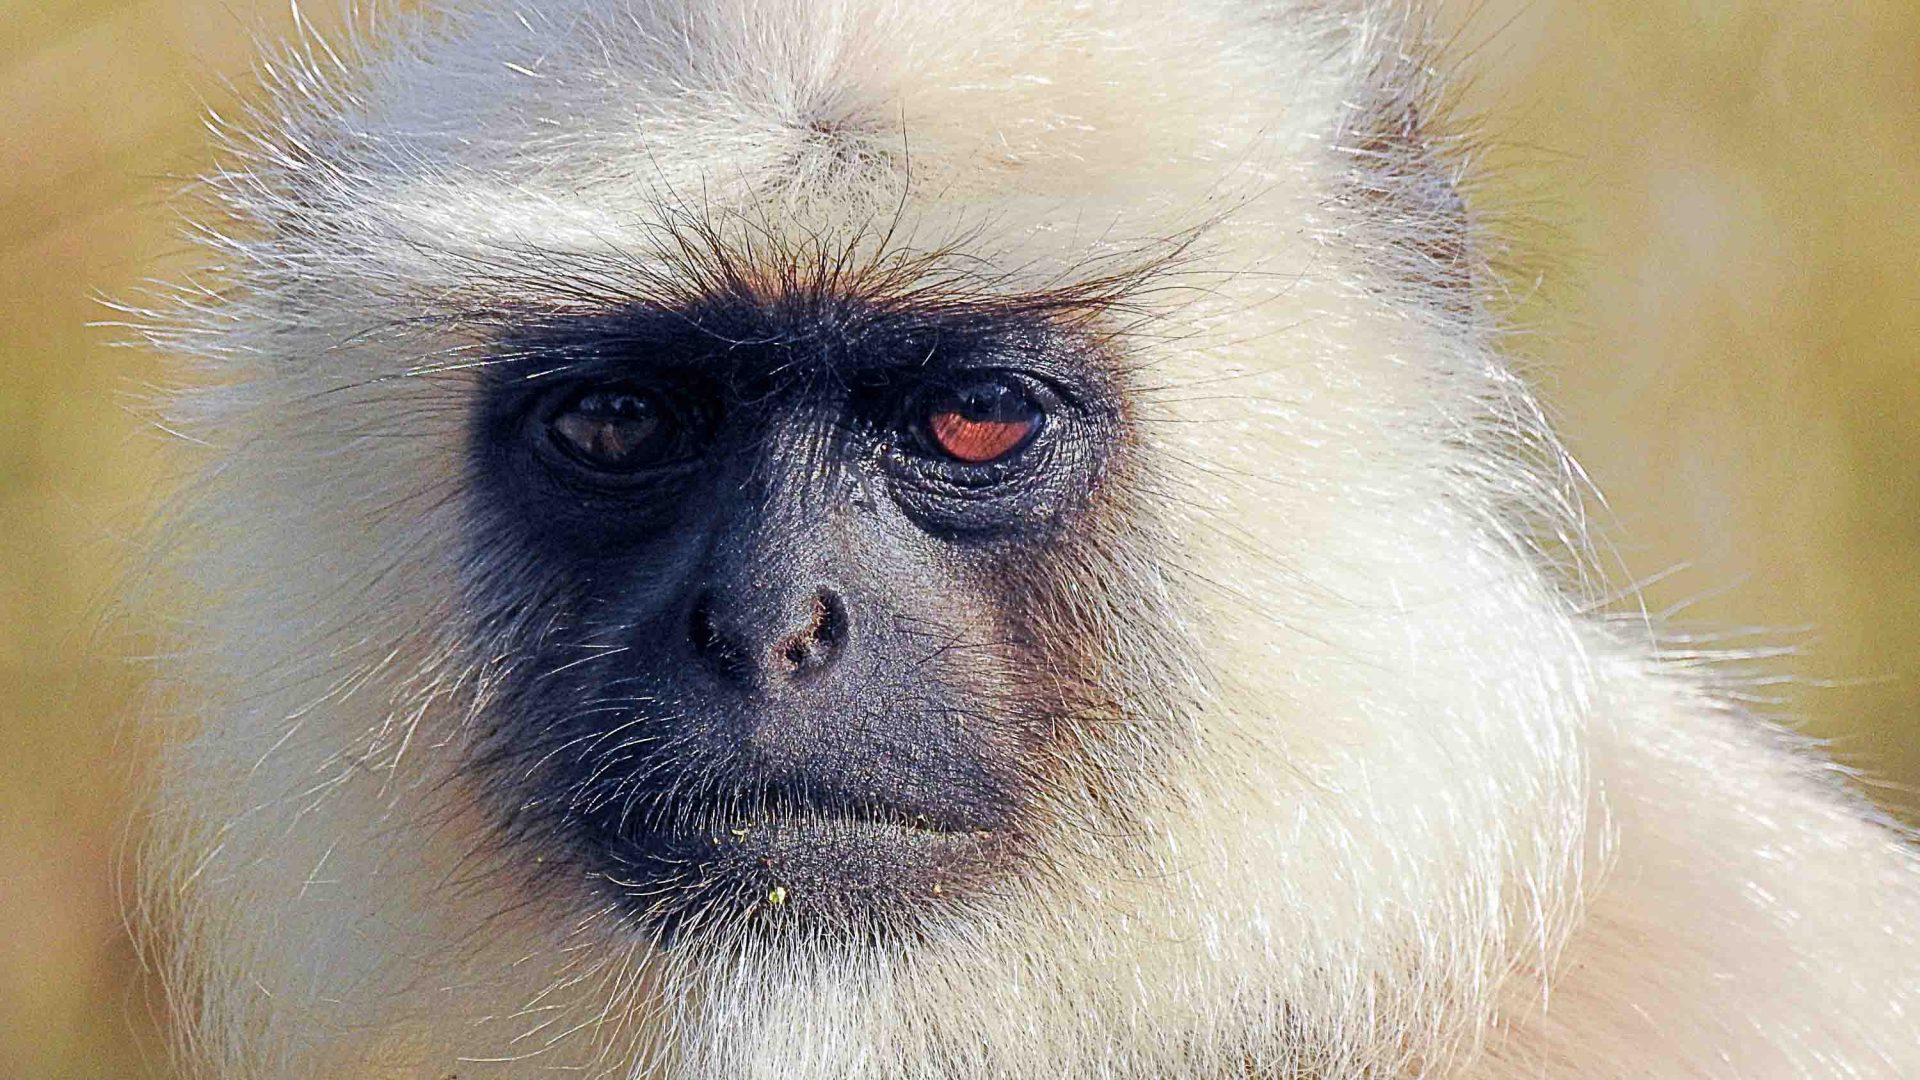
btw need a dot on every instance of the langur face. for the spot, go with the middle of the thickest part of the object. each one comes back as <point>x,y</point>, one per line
<point>776,573</point>
<point>832,521</point>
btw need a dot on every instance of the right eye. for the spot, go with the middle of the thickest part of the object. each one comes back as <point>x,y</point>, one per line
<point>625,429</point>
<point>983,422</point>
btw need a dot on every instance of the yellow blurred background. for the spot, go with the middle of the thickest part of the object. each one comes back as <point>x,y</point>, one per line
<point>1719,197</point>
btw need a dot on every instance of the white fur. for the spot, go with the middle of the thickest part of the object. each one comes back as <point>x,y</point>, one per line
<point>1436,819</point>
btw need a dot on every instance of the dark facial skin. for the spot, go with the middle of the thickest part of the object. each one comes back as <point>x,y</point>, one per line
<point>771,567</point>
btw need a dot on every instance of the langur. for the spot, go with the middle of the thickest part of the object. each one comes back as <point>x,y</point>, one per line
<point>962,539</point>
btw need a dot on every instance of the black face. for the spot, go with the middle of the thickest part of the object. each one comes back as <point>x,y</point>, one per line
<point>774,583</point>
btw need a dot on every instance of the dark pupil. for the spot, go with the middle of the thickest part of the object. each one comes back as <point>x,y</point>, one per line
<point>992,403</point>
<point>614,429</point>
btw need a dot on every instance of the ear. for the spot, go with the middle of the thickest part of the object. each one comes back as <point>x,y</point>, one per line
<point>1402,182</point>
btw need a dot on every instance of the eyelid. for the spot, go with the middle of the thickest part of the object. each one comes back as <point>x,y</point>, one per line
<point>1043,390</point>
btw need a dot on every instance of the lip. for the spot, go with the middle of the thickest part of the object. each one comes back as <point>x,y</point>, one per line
<point>867,871</point>
<point>720,811</point>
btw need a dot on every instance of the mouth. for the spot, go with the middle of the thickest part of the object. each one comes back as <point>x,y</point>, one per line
<point>731,866</point>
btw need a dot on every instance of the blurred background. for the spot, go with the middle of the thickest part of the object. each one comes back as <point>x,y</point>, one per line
<point>1718,200</point>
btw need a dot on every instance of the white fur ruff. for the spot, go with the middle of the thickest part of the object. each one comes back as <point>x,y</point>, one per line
<point>1438,819</point>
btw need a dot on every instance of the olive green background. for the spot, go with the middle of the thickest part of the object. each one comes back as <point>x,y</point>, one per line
<point>1718,199</point>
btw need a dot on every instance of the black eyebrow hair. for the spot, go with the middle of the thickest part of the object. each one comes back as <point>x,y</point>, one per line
<point>746,323</point>
<point>845,335</point>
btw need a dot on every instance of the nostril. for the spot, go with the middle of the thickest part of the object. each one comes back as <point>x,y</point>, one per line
<point>826,630</point>
<point>830,618</point>
<point>710,642</point>
<point>700,629</point>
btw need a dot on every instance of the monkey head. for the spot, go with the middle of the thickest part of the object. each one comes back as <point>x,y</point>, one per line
<point>856,539</point>
<point>975,543</point>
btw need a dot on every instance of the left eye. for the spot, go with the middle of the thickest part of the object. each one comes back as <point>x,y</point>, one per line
<point>982,422</point>
<point>626,429</point>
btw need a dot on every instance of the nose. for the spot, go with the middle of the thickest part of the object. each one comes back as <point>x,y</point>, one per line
<point>767,639</point>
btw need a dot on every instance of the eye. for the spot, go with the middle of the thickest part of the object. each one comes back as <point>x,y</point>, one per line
<point>982,422</point>
<point>622,429</point>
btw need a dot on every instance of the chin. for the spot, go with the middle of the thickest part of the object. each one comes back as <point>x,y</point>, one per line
<point>697,876</point>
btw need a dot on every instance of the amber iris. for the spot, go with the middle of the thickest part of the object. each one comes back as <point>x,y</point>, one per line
<point>983,423</point>
<point>628,429</point>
